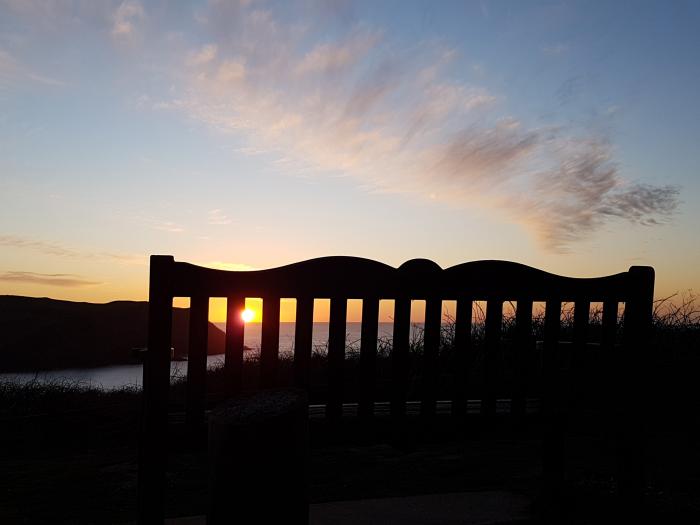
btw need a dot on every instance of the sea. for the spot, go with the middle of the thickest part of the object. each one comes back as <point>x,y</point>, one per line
<point>131,375</point>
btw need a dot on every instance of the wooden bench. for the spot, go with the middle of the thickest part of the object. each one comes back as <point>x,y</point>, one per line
<point>343,278</point>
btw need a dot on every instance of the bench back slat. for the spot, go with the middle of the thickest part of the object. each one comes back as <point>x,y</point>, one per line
<point>431,348</point>
<point>197,361</point>
<point>399,356</point>
<point>303,332</point>
<point>368,356</point>
<point>552,402</point>
<point>463,357</point>
<point>611,353</point>
<point>582,311</point>
<point>522,355</point>
<point>235,336</point>
<point>609,327</point>
<point>494,320</point>
<point>270,341</point>
<point>550,356</point>
<point>336,357</point>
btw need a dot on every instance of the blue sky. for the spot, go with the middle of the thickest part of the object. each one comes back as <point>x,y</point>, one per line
<point>253,134</point>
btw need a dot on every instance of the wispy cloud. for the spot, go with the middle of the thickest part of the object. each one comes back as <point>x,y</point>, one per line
<point>12,72</point>
<point>330,57</point>
<point>66,280</point>
<point>168,226</point>
<point>60,250</point>
<point>126,18</point>
<point>577,196</point>
<point>555,49</point>
<point>218,217</point>
<point>570,89</point>
<point>484,157</point>
<point>46,247</point>
<point>401,122</point>
<point>202,56</point>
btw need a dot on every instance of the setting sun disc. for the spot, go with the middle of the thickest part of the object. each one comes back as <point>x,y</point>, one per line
<point>247,315</point>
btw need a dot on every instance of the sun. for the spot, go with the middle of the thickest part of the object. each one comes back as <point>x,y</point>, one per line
<point>247,315</point>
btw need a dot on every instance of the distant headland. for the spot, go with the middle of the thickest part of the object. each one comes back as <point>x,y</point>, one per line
<point>43,334</point>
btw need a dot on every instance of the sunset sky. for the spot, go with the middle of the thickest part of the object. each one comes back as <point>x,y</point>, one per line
<point>563,135</point>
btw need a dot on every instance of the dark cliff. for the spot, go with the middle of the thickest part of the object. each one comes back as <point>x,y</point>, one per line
<point>41,333</point>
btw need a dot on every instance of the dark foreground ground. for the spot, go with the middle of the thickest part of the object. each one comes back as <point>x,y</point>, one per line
<point>72,459</point>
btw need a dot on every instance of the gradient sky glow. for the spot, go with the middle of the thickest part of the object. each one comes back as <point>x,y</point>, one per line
<point>252,134</point>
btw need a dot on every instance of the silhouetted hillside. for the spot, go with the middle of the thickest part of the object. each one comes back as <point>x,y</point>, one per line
<point>38,334</point>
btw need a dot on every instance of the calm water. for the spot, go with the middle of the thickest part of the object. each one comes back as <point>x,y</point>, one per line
<point>110,377</point>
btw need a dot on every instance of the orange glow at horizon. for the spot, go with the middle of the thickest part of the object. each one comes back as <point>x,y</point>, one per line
<point>218,309</point>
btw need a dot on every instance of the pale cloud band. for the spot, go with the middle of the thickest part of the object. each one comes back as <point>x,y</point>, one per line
<point>126,17</point>
<point>394,121</point>
<point>13,72</point>
<point>52,279</point>
<point>59,250</point>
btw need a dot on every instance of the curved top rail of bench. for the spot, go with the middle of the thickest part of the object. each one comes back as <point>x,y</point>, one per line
<point>356,277</point>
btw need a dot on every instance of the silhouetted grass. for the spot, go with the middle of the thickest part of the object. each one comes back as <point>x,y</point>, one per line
<point>40,418</point>
<point>49,396</point>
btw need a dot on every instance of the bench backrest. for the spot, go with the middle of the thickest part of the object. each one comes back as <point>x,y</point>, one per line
<point>343,278</point>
